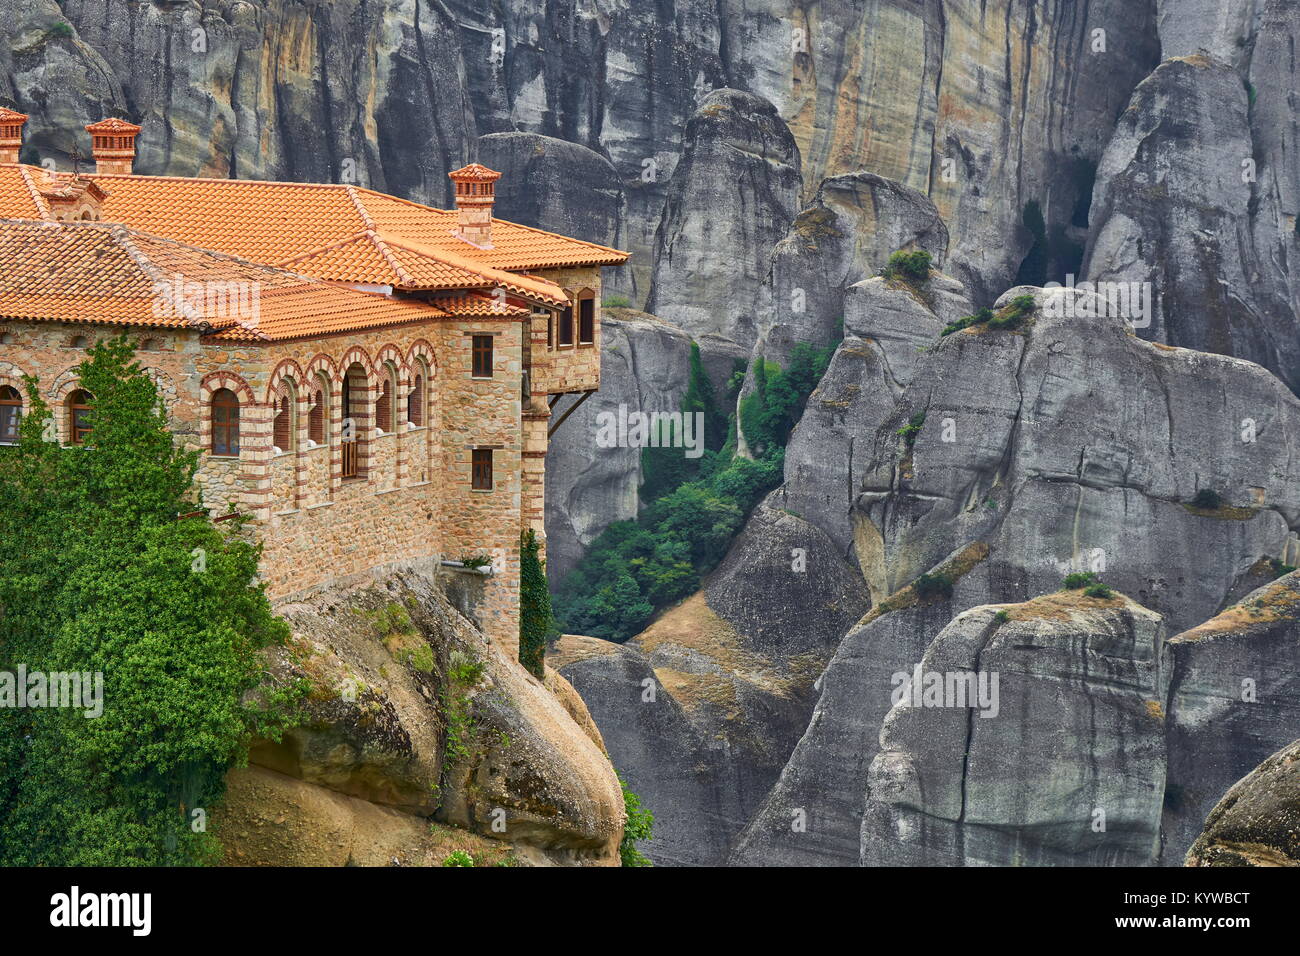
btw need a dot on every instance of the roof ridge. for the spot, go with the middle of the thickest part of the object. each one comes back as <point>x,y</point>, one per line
<point>126,241</point>
<point>41,206</point>
<point>501,276</point>
<point>382,246</point>
<point>361,210</point>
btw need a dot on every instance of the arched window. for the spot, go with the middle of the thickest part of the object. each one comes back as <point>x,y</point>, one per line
<point>316,418</point>
<point>79,416</point>
<point>415,401</point>
<point>225,423</point>
<point>356,417</point>
<point>77,342</point>
<point>11,414</point>
<point>285,426</point>
<point>384,404</point>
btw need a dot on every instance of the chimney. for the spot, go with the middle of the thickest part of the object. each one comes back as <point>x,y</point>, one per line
<point>475,193</point>
<point>112,143</point>
<point>11,134</point>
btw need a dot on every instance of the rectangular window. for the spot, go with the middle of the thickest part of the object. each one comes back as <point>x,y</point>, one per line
<point>481,472</point>
<point>566,326</point>
<point>586,321</point>
<point>10,416</point>
<point>482,350</point>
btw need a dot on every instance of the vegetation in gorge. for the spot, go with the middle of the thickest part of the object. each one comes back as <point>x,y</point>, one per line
<point>691,508</point>
<point>99,576</point>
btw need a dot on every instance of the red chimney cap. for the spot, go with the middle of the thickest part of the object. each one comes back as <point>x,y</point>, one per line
<point>112,125</point>
<point>474,173</point>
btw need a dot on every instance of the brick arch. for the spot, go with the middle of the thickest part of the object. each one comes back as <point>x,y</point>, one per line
<point>68,380</point>
<point>12,375</point>
<point>287,369</point>
<point>214,382</point>
<point>323,363</point>
<point>357,355</point>
<point>421,349</point>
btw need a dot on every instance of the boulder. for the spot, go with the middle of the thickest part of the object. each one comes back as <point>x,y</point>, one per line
<point>1062,761</point>
<point>1257,823</point>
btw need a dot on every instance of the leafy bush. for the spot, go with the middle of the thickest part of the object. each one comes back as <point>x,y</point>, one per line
<point>1098,590</point>
<point>62,30</point>
<point>640,823</point>
<point>1207,499</point>
<point>911,266</point>
<point>458,858</point>
<point>1077,580</point>
<point>476,561</point>
<point>929,586</point>
<point>979,318</point>
<point>616,302</point>
<point>913,427</point>
<point>1279,568</point>
<point>1001,617</point>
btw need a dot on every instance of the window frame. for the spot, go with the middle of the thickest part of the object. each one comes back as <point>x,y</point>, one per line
<point>230,427</point>
<point>16,404</point>
<point>567,335</point>
<point>586,301</point>
<point>481,469</point>
<point>415,404</point>
<point>476,351</point>
<point>77,433</point>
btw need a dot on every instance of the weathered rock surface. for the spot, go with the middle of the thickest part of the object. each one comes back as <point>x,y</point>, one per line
<point>731,672</point>
<point>644,367</point>
<point>554,185</point>
<point>886,327</point>
<point>1235,699</point>
<point>844,237</point>
<point>1067,765</point>
<point>731,197</point>
<point>1071,444</point>
<point>413,710</point>
<point>1179,205</point>
<point>1257,823</point>
<point>813,815</point>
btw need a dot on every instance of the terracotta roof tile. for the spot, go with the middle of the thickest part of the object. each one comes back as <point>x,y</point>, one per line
<point>104,273</point>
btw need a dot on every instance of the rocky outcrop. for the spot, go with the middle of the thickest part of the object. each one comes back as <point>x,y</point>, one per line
<point>843,237</point>
<point>1178,208</point>
<point>731,197</point>
<point>1235,699</point>
<point>414,716</point>
<point>555,185</point>
<point>813,815</point>
<point>701,710</point>
<point>886,328</point>
<point>1070,444</point>
<point>1257,823</point>
<point>1062,763</point>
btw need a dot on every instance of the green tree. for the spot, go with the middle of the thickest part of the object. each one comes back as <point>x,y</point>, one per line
<point>536,622</point>
<point>99,576</point>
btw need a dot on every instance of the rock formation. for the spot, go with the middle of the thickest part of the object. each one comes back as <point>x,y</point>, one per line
<point>1257,823</point>
<point>419,734</point>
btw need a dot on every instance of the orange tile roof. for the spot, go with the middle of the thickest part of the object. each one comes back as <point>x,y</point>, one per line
<point>106,273</point>
<point>275,222</point>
